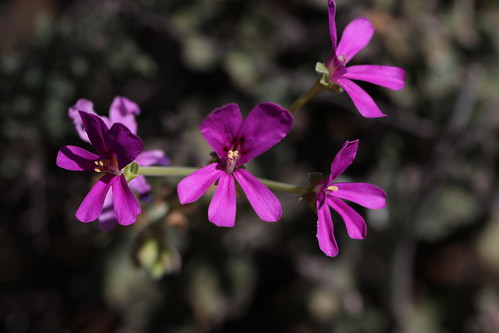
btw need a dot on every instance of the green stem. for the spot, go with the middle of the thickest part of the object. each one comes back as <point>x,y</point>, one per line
<point>308,95</point>
<point>166,171</point>
<point>278,186</point>
<point>185,171</point>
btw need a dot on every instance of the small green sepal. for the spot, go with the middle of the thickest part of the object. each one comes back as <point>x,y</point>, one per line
<point>324,78</point>
<point>131,171</point>
<point>323,72</point>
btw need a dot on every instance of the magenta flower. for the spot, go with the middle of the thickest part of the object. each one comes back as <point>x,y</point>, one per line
<point>329,195</point>
<point>356,36</point>
<point>116,148</point>
<point>122,111</point>
<point>236,142</point>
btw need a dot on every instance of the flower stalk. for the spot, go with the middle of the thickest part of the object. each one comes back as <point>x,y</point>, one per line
<point>185,171</point>
<point>166,171</point>
<point>307,96</point>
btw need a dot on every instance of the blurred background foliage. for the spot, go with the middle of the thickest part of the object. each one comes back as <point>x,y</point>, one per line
<point>430,262</point>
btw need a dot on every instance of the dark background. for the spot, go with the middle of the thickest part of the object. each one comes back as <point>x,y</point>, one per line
<point>430,262</point>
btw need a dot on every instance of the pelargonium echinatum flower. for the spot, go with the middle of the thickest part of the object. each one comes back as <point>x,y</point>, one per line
<point>122,111</point>
<point>330,195</point>
<point>115,148</point>
<point>356,36</point>
<point>236,142</point>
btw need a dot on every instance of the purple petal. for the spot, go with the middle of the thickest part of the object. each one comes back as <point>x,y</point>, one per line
<point>140,185</point>
<point>192,187</point>
<point>91,206</point>
<point>96,130</point>
<point>356,226</point>
<point>81,105</point>
<point>386,76</point>
<point>107,218</point>
<point>366,195</point>
<point>152,157</point>
<point>331,6</point>
<point>222,209</point>
<point>263,201</point>
<point>265,126</point>
<point>126,205</point>
<point>325,232</point>
<point>76,159</point>
<point>123,111</point>
<point>343,159</point>
<point>363,102</point>
<point>124,144</point>
<point>356,36</point>
<point>220,128</point>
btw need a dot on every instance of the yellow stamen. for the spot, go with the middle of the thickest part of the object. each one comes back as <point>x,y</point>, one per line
<point>107,166</point>
<point>232,157</point>
<point>332,188</point>
<point>233,154</point>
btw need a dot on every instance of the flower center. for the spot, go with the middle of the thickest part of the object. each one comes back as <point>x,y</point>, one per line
<point>332,188</point>
<point>107,166</point>
<point>232,157</point>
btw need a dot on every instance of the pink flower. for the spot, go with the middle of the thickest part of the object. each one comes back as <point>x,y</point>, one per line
<point>236,142</point>
<point>356,36</point>
<point>116,148</point>
<point>122,111</point>
<point>329,195</point>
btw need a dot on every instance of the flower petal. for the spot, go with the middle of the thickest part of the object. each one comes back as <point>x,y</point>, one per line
<point>363,102</point>
<point>265,126</point>
<point>366,195</point>
<point>123,111</point>
<point>107,218</point>
<point>152,157</point>
<point>76,159</point>
<point>91,206</point>
<point>81,105</point>
<point>220,128</point>
<point>263,201</point>
<point>96,130</point>
<point>192,187</point>
<point>356,36</point>
<point>331,6</point>
<point>140,185</point>
<point>325,232</point>
<point>343,159</point>
<point>356,226</point>
<point>126,205</point>
<point>386,76</point>
<point>222,209</point>
<point>124,144</point>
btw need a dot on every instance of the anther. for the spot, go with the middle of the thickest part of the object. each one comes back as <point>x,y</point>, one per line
<point>232,157</point>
